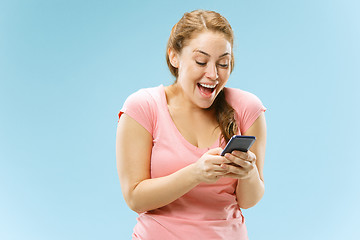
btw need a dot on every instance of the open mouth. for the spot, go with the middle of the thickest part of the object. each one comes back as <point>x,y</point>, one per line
<point>206,88</point>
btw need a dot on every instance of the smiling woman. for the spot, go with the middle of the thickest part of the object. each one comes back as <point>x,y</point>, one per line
<point>205,71</point>
<point>179,183</point>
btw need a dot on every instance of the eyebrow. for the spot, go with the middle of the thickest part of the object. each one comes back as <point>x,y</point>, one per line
<point>223,55</point>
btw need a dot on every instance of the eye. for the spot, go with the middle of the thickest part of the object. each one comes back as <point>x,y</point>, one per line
<point>201,63</point>
<point>223,65</point>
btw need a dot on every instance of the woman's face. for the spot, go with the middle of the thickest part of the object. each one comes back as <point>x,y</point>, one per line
<point>204,67</point>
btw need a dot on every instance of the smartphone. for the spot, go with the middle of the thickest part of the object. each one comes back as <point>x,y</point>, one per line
<point>240,143</point>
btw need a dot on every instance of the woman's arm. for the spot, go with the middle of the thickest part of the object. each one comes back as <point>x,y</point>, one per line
<point>249,172</point>
<point>141,193</point>
<point>250,190</point>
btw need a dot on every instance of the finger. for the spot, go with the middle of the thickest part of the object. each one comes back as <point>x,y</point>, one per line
<point>215,151</point>
<point>220,168</point>
<point>236,160</point>
<point>240,154</point>
<point>242,166</point>
<point>218,160</point>
<point>248,156</point>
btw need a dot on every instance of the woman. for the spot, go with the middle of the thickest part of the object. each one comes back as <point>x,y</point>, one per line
<point>169,141</point>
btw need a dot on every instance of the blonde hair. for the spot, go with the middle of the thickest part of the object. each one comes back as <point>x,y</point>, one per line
<point>188,26</point>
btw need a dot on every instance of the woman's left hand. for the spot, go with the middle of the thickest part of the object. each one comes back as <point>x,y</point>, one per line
<point>242,166</point>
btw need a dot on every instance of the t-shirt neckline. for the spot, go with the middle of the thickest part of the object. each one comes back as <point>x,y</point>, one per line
<point>176,130</point>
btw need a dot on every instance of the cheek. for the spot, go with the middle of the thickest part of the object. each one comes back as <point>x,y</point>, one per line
<point>224,74</point>
<point>192,72</point>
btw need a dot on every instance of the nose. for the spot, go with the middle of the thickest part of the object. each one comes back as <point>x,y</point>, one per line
<point>211,72</point>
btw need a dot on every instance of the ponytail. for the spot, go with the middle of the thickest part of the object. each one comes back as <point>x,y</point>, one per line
<point>225,116</point>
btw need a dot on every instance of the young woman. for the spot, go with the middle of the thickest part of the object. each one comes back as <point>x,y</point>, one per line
<point>170,138</point>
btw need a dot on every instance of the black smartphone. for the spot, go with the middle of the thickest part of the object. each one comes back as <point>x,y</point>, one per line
<point>240,143</point>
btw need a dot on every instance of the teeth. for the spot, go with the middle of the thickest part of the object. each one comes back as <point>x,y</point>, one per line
<point>207,86</point>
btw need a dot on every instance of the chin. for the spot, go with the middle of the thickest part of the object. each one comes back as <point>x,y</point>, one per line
<point>206,105</point>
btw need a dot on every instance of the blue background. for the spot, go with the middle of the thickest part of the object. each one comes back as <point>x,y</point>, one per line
<point>66,68</point>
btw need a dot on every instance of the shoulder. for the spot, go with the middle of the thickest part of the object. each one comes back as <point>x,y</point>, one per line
<point>240,98</point>
<point>145,98</point>
<point>142,106</point>
<point>145,95</point>
<point>247,106</point>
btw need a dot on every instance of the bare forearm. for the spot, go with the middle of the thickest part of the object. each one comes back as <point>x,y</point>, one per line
<point>249,191</point>
<point>154,193</point>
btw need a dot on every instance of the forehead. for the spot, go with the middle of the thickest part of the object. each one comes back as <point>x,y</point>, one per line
<point>212,43</point>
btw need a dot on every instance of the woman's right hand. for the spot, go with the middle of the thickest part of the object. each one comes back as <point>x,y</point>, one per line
<point>208,168</point>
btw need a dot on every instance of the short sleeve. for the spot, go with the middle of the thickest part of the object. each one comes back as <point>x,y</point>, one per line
<point>140,107</point>
<point>247,106</point>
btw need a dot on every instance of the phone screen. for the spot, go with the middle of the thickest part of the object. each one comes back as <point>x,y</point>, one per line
<point>240,143</point>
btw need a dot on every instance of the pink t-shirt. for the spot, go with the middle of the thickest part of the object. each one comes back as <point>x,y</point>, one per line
<point>208,211</point>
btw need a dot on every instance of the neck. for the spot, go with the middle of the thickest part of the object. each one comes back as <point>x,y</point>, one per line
<point>177,99</point>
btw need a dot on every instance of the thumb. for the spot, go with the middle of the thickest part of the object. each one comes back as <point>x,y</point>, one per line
<point>215,151</point>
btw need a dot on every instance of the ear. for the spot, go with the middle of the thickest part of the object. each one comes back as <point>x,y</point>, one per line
<point>173,57</point>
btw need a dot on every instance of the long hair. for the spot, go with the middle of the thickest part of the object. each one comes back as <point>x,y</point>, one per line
<point>195,22</point>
